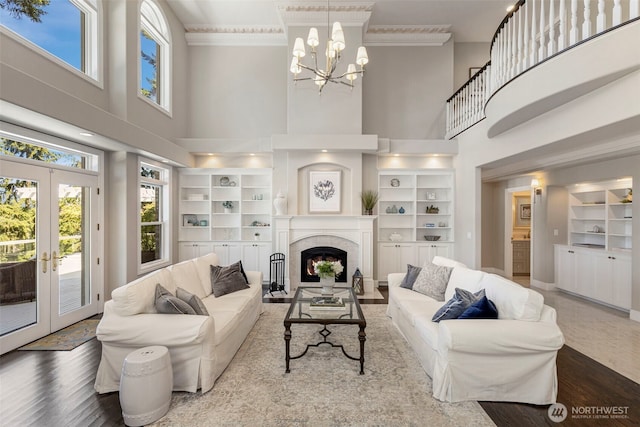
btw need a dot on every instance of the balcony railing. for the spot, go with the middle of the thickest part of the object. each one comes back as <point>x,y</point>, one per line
<point>531,33</point>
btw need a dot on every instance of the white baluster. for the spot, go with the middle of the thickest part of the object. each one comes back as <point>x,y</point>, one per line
<point>533,60</point>
<point>562,27</point>
<point>573,32</point>
<point>525,53</point>
<point>507,51</point>
<point>634,9</point>
<point>616,13</point>
<point>541,53</point>
<point>514,46</point>
<point>521,60</point>
<point>551,47</point>
<point>601,19</point>
<point>586,24</point>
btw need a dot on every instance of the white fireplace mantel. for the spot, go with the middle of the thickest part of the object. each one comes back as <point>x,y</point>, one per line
<point>355,228</point>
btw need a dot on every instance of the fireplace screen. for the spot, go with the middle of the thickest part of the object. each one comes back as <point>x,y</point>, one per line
<point>321,253</point>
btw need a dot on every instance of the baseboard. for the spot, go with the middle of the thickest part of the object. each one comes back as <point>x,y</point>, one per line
<point>543,285</point>
<point>634,315</point>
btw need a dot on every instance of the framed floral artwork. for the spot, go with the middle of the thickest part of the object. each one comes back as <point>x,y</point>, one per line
<point>324,191</point>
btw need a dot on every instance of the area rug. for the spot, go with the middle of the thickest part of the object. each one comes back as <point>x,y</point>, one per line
<point>67,338</point>
<point>324,388</point>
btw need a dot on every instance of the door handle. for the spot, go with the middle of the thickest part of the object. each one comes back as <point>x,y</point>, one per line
<point>44,260</point>
<point>54,260</point>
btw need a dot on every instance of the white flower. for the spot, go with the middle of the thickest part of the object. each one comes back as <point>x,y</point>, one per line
<point>327,268</point>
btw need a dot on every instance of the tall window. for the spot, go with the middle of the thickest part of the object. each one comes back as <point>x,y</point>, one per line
<point>154,215</point>
<point>155,52</point>
<point>67,33</point>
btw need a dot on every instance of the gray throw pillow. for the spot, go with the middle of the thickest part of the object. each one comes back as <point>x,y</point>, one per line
<point>166,303</point>
<point>193,300</point>
<point>225,280</point>
<point>432,280</point>
<point>410,277</point>
<point>457,305</point>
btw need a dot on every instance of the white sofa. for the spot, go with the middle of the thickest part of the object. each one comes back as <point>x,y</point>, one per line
<point>512,358</point>
<point>200,347</point>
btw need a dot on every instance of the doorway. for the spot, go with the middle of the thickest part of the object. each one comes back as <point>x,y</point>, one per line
<point>518,234</point>
<point>48,250</point>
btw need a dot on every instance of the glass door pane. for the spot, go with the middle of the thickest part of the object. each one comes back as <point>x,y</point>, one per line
<point>24,254</point>
<point>71,271</point>
<point>18,265</point>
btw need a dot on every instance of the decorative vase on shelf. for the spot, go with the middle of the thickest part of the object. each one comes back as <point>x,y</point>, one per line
<point>327,284</point>
<point>394,209</point>
<point>227,210</point>
<point>280,204</point>
<point>401,210</point>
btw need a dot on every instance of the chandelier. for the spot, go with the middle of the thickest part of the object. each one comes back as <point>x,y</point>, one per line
<point>333,51</point>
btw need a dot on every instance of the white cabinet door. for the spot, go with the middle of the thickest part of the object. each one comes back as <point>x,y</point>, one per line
<point>565,263</point>
<point>190,250</point>
<point>426,251</point>
<point>394,257</point>
<point>602,277</point>
<point>585,283</point>
<point>228,253</point>
<point>621,274</point>
<point>255,257</point>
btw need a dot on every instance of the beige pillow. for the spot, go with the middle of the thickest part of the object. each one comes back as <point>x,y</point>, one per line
<point>432,281</point>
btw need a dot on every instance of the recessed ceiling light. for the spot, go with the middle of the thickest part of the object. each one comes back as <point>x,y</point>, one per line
<point>436,155</point>
<point>396,155</point>
<point>510,7</point>
<point>86,134</point>
<point>209,154</point>
<point>252,154</point>
<point>324,151</point>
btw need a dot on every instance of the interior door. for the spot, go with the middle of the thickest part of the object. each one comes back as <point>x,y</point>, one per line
<point>46,251</point>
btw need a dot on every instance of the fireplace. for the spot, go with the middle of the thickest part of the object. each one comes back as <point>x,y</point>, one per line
<point>321,253</point>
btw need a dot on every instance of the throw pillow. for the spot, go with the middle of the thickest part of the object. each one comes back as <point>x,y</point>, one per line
<point>462,299</point>
<point>246,279</point>
<point>432,280</point>
<point>166,303</point>
<point>225,280</point>
<point>410,277</point>
<point>482,309</point>
<point>193,300</point>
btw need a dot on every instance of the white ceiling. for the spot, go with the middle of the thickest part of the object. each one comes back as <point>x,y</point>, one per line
<point>469,20</point>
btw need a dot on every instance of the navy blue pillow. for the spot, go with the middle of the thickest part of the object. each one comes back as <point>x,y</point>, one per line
<point>453,308</point>
<point>482,309</point>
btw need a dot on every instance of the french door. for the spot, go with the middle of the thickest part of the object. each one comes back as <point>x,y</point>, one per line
<point>48,250</point>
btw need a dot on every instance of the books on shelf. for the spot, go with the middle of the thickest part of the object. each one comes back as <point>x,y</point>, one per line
<point>326,303</point>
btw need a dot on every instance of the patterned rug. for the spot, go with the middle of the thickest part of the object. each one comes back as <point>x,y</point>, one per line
<point>67,338</point>
<point>324,388</point>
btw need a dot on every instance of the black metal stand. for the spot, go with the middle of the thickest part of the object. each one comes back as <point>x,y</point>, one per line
<point>276,273</point>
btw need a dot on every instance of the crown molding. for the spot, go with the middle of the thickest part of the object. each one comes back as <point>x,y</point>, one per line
<point>407,35</point>
<point>315,13</point>
<point>235,36</point>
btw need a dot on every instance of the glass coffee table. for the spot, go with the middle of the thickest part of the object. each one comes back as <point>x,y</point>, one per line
<point>301,311</point>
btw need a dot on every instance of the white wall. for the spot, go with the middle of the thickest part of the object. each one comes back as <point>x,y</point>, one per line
<point>237,92</point>
<point>465,56</point>
<point>405,90</point>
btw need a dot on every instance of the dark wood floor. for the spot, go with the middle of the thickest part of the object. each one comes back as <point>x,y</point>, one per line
<point>55,388</point>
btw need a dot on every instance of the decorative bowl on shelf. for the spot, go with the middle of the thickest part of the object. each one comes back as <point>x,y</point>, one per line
<point>431,238</point>
<point>395,182</point>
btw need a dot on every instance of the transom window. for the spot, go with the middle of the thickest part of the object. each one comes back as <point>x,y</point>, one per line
<point>154,215</point>
<point>155,51</point>
<point>67,33</point>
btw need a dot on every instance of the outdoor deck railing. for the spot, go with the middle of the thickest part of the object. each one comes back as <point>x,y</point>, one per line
<point>532,32</point>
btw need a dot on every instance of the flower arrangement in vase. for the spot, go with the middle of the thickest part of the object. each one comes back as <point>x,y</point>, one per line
<point>228,205</point>
<point>327,271</point>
